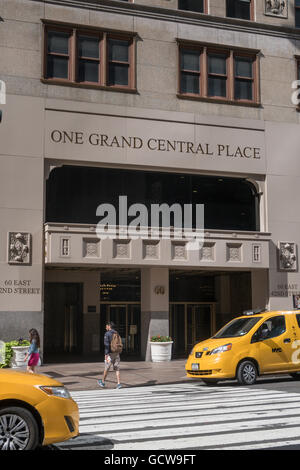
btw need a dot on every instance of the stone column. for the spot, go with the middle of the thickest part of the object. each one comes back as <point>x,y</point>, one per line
<point>154,306</point>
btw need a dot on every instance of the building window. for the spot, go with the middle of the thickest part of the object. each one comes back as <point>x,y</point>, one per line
<point>200,6</point>
<point>227,75</point>
<point>297,13</point>
<point>58,54</point>
<point>118,69</point>
<point>65,246</point>
<point>217,75</point>
<point>73,194</point>
<point>242,9</point>
<point>190,71</point>
<point>89,58</point>
<point>243,78</point>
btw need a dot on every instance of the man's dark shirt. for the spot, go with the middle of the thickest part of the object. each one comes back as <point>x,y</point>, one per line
<point>107,340</point>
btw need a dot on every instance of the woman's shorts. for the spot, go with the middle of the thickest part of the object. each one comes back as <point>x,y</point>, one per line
<point>33,359</point>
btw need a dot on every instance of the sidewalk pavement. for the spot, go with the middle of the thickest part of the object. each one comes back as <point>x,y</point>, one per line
<point>84,376</point>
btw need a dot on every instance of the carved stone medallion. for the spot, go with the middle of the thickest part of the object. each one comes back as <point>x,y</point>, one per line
<point>19,248</point>
<point>287,256</point>
<point>276,8</point>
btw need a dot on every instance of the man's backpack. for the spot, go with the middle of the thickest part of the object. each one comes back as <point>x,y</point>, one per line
<point>116,345</point>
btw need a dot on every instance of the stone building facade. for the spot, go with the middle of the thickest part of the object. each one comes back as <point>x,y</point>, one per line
<point>161,101</point>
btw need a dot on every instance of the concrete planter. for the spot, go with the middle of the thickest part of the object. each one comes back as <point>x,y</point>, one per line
<point>17,359</point>
<point>161,352</point>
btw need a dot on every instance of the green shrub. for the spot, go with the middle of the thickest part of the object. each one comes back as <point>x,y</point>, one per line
<point>160,339</point>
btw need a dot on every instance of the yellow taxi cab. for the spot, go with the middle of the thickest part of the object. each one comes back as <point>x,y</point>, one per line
<point>251,345</point>
<point>34,410</point>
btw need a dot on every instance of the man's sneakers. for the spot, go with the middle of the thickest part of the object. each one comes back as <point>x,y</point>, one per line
<point>102,384</point>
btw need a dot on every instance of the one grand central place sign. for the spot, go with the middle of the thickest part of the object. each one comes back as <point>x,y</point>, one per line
<point>149,142</point>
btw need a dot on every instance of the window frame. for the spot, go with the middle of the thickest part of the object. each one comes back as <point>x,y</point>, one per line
<point>75,32</point>
<point>226,54</point>
<point>59,29</point>
<point>253,79</point>
<point>130,57</point>
<point>231,52</point>
<point>257,335</point>
<point>205,8</point>
<point>85,33</point>
<point>297,8</point>
<point>252,13</point>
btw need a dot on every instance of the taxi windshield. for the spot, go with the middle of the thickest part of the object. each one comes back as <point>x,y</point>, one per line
<point>237,327</point>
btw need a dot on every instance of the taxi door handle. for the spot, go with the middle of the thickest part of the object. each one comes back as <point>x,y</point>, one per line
<point>287,340</point>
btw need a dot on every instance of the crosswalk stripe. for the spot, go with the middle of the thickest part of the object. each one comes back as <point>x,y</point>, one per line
<point>186,416</point>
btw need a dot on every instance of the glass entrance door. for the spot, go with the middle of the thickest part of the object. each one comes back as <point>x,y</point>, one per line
<point>198,324</point>
<point>189,324</point>
<point>126,317</point>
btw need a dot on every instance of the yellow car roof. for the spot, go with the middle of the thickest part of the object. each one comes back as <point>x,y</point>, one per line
<point>24,378</point>
<point>264,313</point>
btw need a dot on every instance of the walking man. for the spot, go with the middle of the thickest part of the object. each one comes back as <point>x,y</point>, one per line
<point>112,349</point>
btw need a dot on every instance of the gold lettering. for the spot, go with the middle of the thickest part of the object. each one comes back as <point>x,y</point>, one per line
<point>114,142</point>
<point>161,145</point>
<point>56,136</point>
<point>92,141</point>
<point>104,139</point>
<point>172,145</point>
<point>149,142</point>
<point>227,152</point>
<point>256,153</point>
<point>245,152</point>
<point>221,149</point>
<point>207,150</point>
<point>238,153</point>
<point>127,142</point>
<point>137,143</point>
<point>190,147</point>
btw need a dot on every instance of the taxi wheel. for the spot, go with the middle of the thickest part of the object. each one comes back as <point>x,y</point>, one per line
<point>246,373</point>
<point>18,429</point>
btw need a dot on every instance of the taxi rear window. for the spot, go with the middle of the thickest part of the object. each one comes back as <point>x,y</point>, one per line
<point>237,327</point>
<point>298,319</point>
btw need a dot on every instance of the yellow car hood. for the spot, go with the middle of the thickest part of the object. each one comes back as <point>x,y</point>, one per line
<point>212,343</point>
<point>17,377</point>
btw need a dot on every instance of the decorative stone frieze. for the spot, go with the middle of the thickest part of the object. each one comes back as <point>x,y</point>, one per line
<point>91,248</point>
<point>220,249</point>
<point>151,249</point>
<point>179,251</point>
<point>122,249</point>
<point>207,252</point>
<point>19,248</point>
<point>234,252</point>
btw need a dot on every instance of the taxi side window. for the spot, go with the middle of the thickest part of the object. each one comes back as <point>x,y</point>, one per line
<point>270,328</point>
<point>298,319</point>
